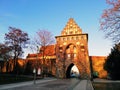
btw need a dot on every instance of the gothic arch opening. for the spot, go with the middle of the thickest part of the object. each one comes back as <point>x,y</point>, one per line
<point>72,71</point>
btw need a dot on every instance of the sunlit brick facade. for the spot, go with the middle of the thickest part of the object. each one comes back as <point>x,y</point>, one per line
<point>36,60</point>
<point>71,48</point>
<point>8,66</point>
<point>98,65</point>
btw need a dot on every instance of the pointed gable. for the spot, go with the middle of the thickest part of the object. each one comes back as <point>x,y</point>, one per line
<point>71,28</point>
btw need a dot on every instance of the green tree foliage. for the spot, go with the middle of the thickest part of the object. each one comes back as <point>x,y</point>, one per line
<point>16,39</point>
<point>112,64</point>
<point>110,20</point>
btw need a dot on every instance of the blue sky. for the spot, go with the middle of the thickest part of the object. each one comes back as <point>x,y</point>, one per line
<point>52,15</point>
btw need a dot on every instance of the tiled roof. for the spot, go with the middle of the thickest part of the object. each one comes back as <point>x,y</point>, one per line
<point>48,51</point>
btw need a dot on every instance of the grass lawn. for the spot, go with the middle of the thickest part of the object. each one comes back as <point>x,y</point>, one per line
<point>7,78</point>
<point>107,86</point>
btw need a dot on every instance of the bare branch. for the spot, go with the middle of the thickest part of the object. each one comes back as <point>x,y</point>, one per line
<point>110,20</point>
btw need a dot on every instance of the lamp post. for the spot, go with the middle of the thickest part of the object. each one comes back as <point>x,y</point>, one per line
<point>34,72</point>
<point>35,67</point>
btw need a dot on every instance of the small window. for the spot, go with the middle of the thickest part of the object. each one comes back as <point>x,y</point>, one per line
<point>71,32</point>
<point>72,38</point>
<point>76,32</point>
<point>82,47</point>
<point>77,38</point>
<point>68,55</point>
<point>75,55</point>
<point>68,38</point>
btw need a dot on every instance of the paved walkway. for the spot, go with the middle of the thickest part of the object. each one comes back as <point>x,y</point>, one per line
<point>81,85</point>
<point>7,86</point>
<point>84,85</point>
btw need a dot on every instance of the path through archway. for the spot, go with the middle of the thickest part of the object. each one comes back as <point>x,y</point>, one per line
<point>72,71</point>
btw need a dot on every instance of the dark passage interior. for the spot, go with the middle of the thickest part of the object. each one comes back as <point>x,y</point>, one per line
<point>72,71</point>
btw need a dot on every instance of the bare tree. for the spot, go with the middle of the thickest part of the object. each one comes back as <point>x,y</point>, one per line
<point>110,20</point>
<point>5,52</point>
<point>16,39</point>
<point>43,39</point>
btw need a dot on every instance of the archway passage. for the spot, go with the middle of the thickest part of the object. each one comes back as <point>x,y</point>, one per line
<point>72,48</point>
<point>72,71</point>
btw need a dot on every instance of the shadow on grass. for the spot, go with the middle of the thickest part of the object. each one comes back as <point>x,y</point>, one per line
<point>106,86</point>
<point>10,78</point>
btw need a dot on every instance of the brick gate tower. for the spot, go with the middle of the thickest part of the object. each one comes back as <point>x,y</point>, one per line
<point>72,49</point>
